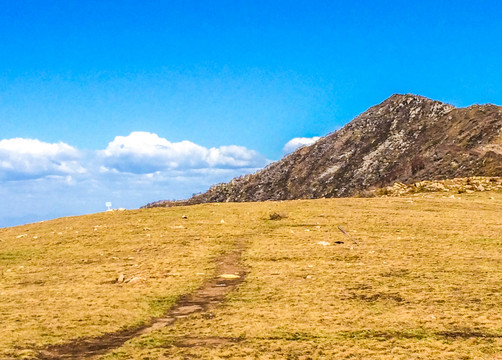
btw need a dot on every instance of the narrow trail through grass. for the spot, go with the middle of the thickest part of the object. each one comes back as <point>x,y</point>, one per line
<point>422,282</point>
<point>420,279</point>
<point>229,274</point>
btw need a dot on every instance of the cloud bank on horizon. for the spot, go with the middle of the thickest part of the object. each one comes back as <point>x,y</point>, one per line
<point>23,159</point>
<point>41,180</point>
<point>138,153</point>
<point>144,152</point>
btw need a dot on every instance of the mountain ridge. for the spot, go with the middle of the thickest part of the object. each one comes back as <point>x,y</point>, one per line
<point>406,138</point>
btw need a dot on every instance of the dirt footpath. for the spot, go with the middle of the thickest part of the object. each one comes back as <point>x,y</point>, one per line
<point>229,274</point>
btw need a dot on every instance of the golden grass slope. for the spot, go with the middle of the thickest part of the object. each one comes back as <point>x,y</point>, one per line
<point>58,278</point>
<point>424,280</point>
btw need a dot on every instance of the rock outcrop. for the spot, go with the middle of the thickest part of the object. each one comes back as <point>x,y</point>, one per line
<point>406,138</point>
<point>452,186</point>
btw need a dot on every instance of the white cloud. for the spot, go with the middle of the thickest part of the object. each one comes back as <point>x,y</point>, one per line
<point>298,142</point>
<point>144,152</point>
<point>31,159</point>
<point>56,179</point>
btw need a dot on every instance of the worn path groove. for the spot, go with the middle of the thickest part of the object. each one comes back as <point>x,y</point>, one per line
<point>207,296</point>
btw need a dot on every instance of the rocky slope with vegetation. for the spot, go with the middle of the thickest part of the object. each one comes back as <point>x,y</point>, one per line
<point>406,139</point>
<point>451,186</point>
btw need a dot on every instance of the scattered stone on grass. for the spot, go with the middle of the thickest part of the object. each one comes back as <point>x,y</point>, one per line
<point>229,276</point>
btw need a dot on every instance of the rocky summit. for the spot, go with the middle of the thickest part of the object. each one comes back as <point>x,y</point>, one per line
<point>406,138</point>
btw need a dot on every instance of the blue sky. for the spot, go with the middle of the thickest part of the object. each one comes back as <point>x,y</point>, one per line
<point>136,101</point>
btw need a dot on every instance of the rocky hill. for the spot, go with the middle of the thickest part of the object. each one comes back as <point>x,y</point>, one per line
<point>406,138</point>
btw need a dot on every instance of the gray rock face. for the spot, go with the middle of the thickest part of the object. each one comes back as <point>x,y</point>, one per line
<point>407,138</point>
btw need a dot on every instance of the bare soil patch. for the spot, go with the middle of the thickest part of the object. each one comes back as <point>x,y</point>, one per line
<point>209,295</point>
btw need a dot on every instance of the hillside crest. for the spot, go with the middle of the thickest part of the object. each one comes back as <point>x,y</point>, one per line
<point>406,138</point>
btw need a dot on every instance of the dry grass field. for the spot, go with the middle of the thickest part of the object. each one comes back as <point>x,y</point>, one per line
<point>423,281</point>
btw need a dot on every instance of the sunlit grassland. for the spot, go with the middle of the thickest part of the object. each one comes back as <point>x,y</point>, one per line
<point>423,281</point>
<point>57,278</point>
